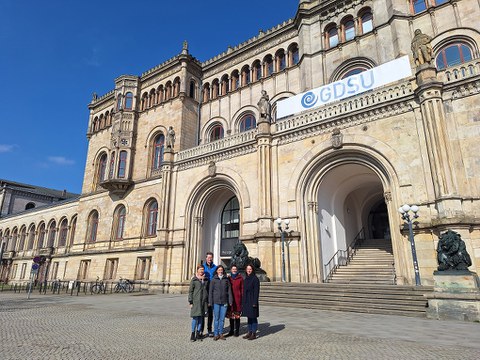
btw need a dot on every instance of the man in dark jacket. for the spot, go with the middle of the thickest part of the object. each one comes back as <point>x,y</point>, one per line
<point>210,269</point>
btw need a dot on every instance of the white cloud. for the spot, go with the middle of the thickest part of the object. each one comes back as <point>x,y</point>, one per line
<point>4,148</point>
<point>60,160</point>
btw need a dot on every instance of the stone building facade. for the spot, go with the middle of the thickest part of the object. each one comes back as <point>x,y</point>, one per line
<point>153,203</point>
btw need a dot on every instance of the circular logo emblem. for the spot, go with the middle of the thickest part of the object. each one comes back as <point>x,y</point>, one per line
<point>309,99</point>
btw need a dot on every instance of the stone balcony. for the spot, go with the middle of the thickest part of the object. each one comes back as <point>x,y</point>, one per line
<point>117,186</point>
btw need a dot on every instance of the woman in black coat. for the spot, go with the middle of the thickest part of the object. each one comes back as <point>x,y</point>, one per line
<point>251,292</point>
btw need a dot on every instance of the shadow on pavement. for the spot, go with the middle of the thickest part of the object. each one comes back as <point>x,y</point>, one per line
<point>266,329</point>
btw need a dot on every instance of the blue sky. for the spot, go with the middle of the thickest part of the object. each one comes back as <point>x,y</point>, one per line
<point>54,54</point>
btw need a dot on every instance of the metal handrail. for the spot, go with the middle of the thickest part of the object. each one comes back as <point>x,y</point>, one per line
<point>343,256</point>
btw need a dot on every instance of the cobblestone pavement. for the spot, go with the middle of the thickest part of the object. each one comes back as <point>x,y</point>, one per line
<point>144,326</point>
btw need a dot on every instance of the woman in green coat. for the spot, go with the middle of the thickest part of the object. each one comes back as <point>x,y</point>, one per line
<point>198,299</point>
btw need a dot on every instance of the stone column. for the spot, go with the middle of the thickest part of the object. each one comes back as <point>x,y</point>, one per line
<point>166,191</point>
<point>264,142</point>
<point>439,148</point>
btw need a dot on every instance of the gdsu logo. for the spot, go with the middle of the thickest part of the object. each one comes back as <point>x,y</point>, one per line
<point>309,99</point>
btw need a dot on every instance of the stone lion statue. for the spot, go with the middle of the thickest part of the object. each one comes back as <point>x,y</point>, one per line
<point>451,252</point>
<point>241,259</point>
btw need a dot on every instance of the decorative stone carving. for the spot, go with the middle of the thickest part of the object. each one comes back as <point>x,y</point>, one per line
<point>212,169</point>
<point>337,139</point>
<point>388,196</point>
<point>422,48</point>
<point>170,138</point>
<point>451,252</point>
<point>264,106</point>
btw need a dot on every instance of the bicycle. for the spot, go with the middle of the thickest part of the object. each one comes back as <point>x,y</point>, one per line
<point>124,285</point>
<point>98,287</point>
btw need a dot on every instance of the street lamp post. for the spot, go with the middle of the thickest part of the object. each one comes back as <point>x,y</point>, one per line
<point>283,232</point>
<point>405,212</point>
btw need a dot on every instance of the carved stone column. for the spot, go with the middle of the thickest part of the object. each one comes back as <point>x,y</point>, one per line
<point>166,191</point>
<point>439,148</point>
<point>264,154</point>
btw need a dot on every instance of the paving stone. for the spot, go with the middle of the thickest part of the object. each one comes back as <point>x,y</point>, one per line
<point>158,326</point>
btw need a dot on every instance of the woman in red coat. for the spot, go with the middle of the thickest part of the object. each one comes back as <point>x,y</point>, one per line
<point>236,309</point>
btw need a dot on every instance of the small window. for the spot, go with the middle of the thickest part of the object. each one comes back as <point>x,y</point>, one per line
<point>349,30</point>
<point>281,61</point>
<point>119,102</point>
<point>129,101</point>
<point>112,165</point>
<point>158,149</point>
<point>216,133</point>
<point>41,236</point>
<point>191,91</point>
<point>453,54</point>
<point>332,37</point>
<point>62,240</point>
<point>248,122</point>
<point>119,222</point>
<point>268,63</point>
<point>245,75</point>
<point>152,214</point>
<point>52,231</point>
<point>122,164</point>
<point>257,71</point>
<point>235,80</point>
<point>367,22</point>
<point>92,227</point>
<point>293,56</point>
<point>142,271</point>
<point>111,266</point>
<point>29,206</point>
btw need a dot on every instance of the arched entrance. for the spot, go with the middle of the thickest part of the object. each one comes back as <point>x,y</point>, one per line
<point>351,205</point>
<point>214,223</point>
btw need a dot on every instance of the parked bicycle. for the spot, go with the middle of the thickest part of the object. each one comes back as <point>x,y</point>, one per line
<point>98,287</point>
<point>124,285</point>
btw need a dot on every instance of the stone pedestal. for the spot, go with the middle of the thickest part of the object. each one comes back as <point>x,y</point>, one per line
<point>456,296</point>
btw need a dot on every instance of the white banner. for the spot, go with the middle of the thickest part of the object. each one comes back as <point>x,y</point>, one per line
<point>350,86</point>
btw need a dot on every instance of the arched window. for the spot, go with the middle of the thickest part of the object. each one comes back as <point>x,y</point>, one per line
<point>144,102</point>
<point>331,35</point>
<point>353,71</point>
<point>62,240</point>
<point>13,240</point>
<point>234,80</point>
<point>191,91</point>
<point>245,75</point>
<point>102,122</point>
<point>152,214</point>
<point>119,222</point>
<point>160,94</point>
<point>122,164</point>
<point>215,89</point>
<point>52,232</point>
<point>128,101</point>
<point>348,28</point>
<point>453,54</point>
<point>29,206</point>
<point>176,86</point>
<point>206,92</point>
<point>268,65</point>
<point>41,236</point>
<point>280,60</point>
<point>257,70</point>
<point>95,124</point>
<point>23,236</point>
<point>366,20</point>
<point>152,98</point>
<point>293,56</point>
<point>230,228</point>
<point>247,122</point>
<point>92,227</point>
<point>224,85</point>
<point>31,237</point>
<point>216,132</point>
<point>158,148</point>
<point>112,165</point>
<point>119,102</point>
<point>102,167</point>
<point>73,227</point>
<point>168,90</point>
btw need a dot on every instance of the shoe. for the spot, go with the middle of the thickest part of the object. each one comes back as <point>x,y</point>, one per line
<point>215,338</point>
<point>247,336</point>
<point>192,337</point>
<point>210,334</point>
<point>199,336</point>
<point>221,337</point>
<point>253,336</point>
<point>236,334</point>
<point>230,333</point>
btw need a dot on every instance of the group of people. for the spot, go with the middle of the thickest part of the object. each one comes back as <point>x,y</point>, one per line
<point>216,294</point>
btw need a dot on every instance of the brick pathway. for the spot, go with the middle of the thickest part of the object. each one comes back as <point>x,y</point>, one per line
<point>126,326</point>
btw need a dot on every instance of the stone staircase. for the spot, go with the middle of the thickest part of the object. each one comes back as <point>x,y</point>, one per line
<point>375,299</point>
<point>372,264</point>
